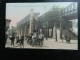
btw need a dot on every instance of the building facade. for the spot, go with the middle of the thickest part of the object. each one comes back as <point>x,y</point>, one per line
<point>7,25</point>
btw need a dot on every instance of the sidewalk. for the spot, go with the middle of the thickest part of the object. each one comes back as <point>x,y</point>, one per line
<point>52,44</point>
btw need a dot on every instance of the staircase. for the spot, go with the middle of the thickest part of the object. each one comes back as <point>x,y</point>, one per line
<point>67,32</point>
<point>70,33</point>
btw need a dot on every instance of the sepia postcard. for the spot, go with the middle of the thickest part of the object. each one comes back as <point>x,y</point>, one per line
<point>49,25</point>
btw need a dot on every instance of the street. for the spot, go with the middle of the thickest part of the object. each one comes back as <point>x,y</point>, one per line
<point>48,44</point>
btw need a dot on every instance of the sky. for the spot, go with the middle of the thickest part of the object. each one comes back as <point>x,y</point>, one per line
<point>17,11</point>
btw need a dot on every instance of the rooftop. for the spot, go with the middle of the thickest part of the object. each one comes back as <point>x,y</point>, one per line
<point>26,19</point>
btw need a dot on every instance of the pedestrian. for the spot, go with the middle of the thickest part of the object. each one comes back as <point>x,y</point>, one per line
<point>12,40</point>
<point>62,37</point>
<point>22,41</point>
<point>66,38</point>
<point>41,39</point>
<point>34,39</point>
<point>17,39</point>
<point>69,38</point>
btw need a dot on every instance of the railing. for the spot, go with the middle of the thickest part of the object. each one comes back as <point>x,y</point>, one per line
<point>71,9</point>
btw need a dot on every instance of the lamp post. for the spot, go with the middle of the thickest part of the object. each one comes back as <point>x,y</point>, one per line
<point>46,25</point>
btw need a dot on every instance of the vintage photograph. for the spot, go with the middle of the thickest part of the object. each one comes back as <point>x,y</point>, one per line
<point>49,25</point>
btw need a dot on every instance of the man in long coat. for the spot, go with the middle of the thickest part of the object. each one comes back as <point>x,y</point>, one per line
<point>12,40</point>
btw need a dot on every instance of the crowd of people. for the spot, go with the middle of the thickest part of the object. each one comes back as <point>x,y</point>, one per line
<point>35,39</point>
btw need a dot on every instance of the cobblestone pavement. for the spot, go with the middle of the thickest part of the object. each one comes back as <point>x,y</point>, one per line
<point>49,44</point>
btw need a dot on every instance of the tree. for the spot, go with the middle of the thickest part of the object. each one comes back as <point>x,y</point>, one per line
<point>55,14</point>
